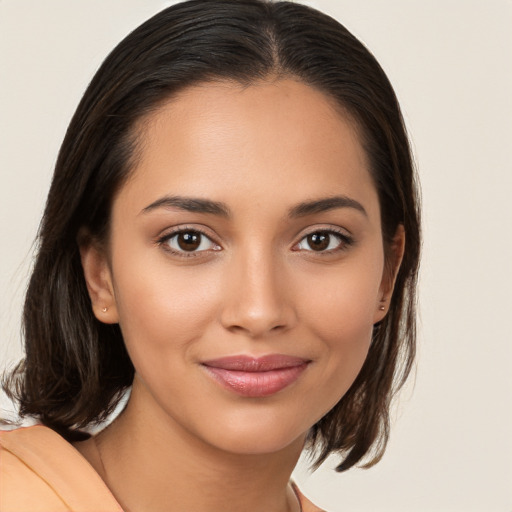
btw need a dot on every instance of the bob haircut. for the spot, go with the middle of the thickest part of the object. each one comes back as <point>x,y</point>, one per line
<point>76,368</point>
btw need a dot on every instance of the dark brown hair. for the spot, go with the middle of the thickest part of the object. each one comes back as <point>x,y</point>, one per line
<point>76,368</point>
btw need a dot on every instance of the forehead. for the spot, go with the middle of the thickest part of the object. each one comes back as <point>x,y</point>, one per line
<point>277,141</point>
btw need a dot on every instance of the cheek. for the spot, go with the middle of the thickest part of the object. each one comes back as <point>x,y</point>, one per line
<point>340,309</point>
<point>342,303</point>
<point>162,308</point>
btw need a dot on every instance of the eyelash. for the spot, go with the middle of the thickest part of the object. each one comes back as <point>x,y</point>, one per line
<point>345,241</point>
<point>163,241</point>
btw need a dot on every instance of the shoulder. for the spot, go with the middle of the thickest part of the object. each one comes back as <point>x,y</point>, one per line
<point>305,504</point>
<point>22,478</point>
<point>41,471</point>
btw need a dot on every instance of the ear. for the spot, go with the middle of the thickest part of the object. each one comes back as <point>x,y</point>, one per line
<point>393,259</point>
<point>98,278</point>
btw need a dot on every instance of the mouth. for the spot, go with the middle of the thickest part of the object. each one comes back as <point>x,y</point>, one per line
<point>256,377</point>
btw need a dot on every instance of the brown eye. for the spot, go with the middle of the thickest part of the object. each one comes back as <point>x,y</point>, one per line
<point>324,241</point>
<point>189,240</point>
<point>318,241</point>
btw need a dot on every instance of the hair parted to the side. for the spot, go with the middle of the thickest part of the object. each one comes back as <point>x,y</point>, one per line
<point>76,368</point>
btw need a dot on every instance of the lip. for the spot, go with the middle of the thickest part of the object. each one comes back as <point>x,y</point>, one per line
<point>256,376</point>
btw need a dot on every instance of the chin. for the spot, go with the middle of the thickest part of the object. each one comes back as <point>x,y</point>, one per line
<point>262,444</point>
<point>260,434</point>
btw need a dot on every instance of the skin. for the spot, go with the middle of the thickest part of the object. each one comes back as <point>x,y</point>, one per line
<point>254,287</point>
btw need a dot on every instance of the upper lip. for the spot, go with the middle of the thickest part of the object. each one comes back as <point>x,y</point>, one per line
<point>244,363</point>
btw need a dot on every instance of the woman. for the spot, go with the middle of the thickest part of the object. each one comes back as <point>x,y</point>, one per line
<point>232,234</point>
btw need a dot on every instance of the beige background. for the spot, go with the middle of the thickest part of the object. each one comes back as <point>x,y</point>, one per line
<point>451,64</point>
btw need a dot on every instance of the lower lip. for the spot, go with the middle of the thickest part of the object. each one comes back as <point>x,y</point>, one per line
<point>256,384</point>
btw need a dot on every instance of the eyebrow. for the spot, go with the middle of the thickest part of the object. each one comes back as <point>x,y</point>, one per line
<point>189,204</point>
<point>324,205</point>
<point>197,205</point>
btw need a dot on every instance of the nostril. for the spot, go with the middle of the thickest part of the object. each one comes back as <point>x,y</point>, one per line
<point>253,330</point>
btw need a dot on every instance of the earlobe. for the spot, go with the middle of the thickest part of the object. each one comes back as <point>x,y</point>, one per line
<point>99,282</point>
<point>394,256</point>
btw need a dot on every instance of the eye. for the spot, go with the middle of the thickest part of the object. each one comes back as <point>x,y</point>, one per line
<point>189,241</point>
<point>324,241</point>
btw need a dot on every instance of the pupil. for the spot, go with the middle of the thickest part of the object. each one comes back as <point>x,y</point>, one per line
<point>189,241</point>
<point>318,241</point>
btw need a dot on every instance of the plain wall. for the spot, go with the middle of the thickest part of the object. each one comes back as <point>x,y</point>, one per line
<point>451,64</point>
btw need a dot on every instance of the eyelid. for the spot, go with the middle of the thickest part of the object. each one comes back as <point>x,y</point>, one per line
<point>167,235</point>
<point>330,228</point>
<point>346,238</point>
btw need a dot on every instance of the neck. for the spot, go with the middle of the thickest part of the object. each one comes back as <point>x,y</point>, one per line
<point>151,463</point>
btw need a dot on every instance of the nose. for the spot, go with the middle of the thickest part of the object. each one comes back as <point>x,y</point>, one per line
<point>257,301</point>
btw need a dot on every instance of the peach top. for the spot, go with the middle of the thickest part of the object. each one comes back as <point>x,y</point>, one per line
<point>41,472</point>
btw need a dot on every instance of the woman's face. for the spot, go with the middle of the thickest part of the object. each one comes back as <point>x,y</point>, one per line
<point>245,263</point>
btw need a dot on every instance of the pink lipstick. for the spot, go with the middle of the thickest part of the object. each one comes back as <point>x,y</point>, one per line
<point>256,377</point>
